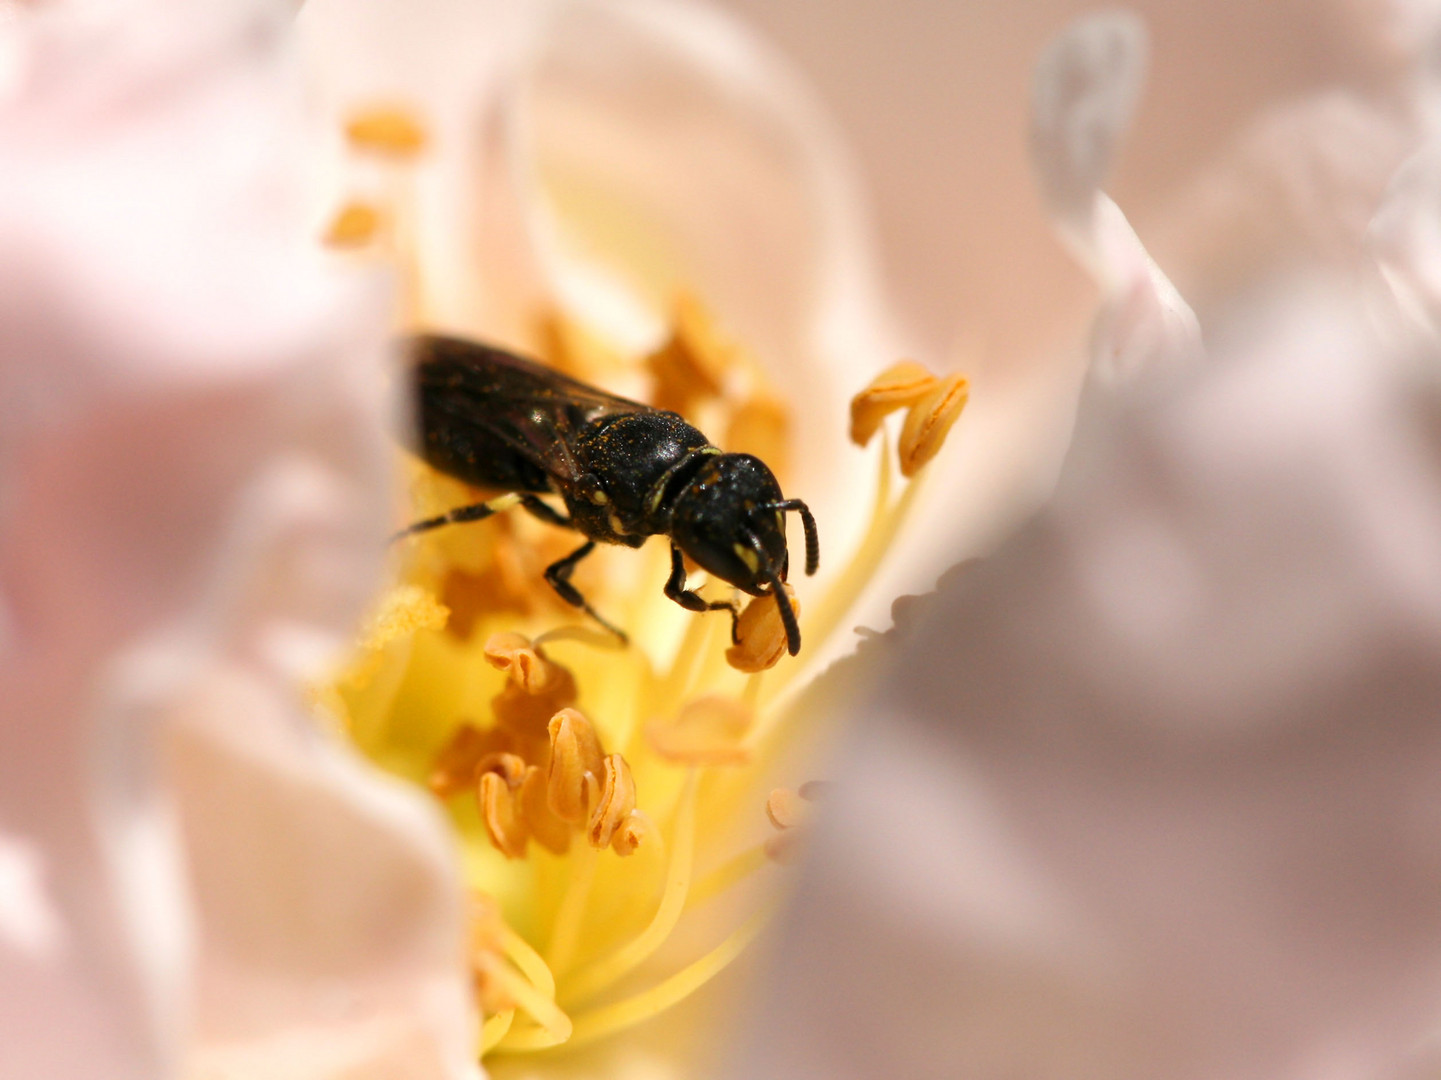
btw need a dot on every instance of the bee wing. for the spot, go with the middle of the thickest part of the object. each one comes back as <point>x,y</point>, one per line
<point>507,403</point>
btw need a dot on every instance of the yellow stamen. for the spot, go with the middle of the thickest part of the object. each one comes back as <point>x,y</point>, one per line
<point>886,519</point>
<point>929,421</point>
<point>355,225</point>
<point>731,872</point>
<point>495,1029</point>
<point>575,755</point>
<point>528,961</point>
<point>591,980</point>
<point>565,934</point>
<point>500,809</point>
<point>895,388</point>
<point>554,1026</point>
<point>692,729</point>
<point>617,800</point>
<point>517,657</point>
<point>623,1014</point>
<point>387,129</point>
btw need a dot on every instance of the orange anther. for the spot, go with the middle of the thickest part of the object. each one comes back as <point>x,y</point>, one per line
<point>386,129</point>
<point>517,657</point>
<point>635,830</point>
<point>928,422</point>
<point>575,754</point>
<point>545,827</point>
<point>895,388</point>
<point>354,225</point>
<point>762,635</point>
<point>786,809</point>
<point>500,809</point>
<point>509,767</point>
<point>617,800</point>
<point>456,765</point>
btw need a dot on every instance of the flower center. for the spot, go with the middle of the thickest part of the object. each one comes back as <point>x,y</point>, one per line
<point>603,795</point>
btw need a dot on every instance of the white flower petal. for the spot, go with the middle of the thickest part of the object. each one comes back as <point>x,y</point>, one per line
<point>1151,791</point>
<point>193,478</point>
<point>1085,90</point>
<point>1405,238</point>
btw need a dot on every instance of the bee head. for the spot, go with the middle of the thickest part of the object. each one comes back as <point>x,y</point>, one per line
<point>730,520</point>
<point>718,521</point>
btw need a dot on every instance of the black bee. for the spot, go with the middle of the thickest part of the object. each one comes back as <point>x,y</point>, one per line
<point>624,470</point>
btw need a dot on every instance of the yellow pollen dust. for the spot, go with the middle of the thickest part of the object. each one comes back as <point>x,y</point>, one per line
<point>602,796</point>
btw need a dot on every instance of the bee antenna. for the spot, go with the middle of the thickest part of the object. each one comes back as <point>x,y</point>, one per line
<point>808,522</point>
<point>783,600</point>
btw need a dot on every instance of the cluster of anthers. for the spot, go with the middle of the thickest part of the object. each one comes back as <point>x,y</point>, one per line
<point>602,795</point>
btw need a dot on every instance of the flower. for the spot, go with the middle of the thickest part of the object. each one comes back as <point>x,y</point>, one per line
<point>612,804</point>
<point>551,175</point>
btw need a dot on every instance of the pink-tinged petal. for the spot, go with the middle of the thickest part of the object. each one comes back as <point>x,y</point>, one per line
<point>193,494</point>
<point>1405,237</point>
<point>1151,791</point>
<point>1085,91</point>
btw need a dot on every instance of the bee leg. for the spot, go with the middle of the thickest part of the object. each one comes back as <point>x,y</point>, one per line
<point>692,601</point>
<point>461,514</point>
<point>558,574</point>
<point>545,512</point>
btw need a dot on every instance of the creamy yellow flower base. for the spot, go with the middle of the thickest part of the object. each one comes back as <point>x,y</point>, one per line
<point>614,805</point>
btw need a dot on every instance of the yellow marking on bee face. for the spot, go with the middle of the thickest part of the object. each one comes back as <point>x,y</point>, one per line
<point>747,556</point>
<point>600,498</point>
<point>615,524</point>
